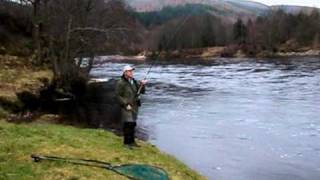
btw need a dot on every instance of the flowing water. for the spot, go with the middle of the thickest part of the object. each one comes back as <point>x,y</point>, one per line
<point>234,119</point>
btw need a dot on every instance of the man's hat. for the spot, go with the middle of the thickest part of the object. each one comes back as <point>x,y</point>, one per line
<point>127,68</point>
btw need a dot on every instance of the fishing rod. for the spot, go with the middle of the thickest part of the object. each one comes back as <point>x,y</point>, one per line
<point>166,45</point>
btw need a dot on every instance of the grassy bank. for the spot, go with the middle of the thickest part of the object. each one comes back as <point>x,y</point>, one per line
<point>19,141</point>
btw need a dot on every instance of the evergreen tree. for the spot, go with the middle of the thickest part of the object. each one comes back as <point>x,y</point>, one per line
<point>240,32</point>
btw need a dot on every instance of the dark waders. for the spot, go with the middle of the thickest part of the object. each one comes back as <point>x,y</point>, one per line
<point>129,124</point>
<point>128,132</point>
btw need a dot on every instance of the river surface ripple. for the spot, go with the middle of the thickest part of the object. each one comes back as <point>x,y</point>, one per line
<point>234,119</point>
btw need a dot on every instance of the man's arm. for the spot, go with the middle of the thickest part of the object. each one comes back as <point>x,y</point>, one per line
<point>141,86</point>
<point>119,93</point>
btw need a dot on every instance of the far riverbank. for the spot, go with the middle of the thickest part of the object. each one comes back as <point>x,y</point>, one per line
<point>208,53</point>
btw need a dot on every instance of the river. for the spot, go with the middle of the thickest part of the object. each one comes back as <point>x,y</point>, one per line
<point>233,119</point>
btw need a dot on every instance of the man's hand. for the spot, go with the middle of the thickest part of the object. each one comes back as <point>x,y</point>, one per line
<point>144,82</point>
<point>128,107</point>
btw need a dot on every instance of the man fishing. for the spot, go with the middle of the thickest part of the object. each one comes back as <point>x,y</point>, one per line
<point>127,92</point>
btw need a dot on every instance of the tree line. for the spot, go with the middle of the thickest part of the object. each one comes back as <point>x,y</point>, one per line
<point>282,31</point>
<point>63,31</point>
<point>274,31</point>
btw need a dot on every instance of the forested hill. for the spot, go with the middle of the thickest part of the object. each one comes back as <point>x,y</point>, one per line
<point>228,10</point>
<point>157,12</point>
<point>168,13</point>
<point>246,7</point>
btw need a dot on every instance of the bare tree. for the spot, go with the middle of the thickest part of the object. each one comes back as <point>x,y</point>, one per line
<point>36,23</point>
<point>78,29</point>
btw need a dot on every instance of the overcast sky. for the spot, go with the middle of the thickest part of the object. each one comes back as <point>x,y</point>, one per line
<point>312,3</point>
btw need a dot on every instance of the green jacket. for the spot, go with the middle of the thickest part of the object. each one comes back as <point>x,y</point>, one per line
<point>127,94</point>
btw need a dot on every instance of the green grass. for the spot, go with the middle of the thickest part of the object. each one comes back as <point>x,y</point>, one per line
<point>3,113</point>
<point>19,141</point>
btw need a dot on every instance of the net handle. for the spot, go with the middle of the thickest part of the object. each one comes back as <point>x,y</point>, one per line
<point>86,162</point>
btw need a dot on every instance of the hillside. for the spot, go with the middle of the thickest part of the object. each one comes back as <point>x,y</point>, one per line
<point>168,13</point>
<point>253,7</point>
<point>230,7</point>
<point>226,9</point>
<point>294,9</point>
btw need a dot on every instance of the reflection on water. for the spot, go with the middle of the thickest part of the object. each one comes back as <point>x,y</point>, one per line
<point>249,119</point>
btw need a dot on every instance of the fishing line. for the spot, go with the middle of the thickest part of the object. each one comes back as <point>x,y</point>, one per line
<point>178,28</point>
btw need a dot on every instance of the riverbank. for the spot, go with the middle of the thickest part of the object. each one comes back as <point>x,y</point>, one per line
<point>18,75</point>
<point>45,134</point>
<point>18,142</point>
<point>234,52</point>
<point>209,53</point>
